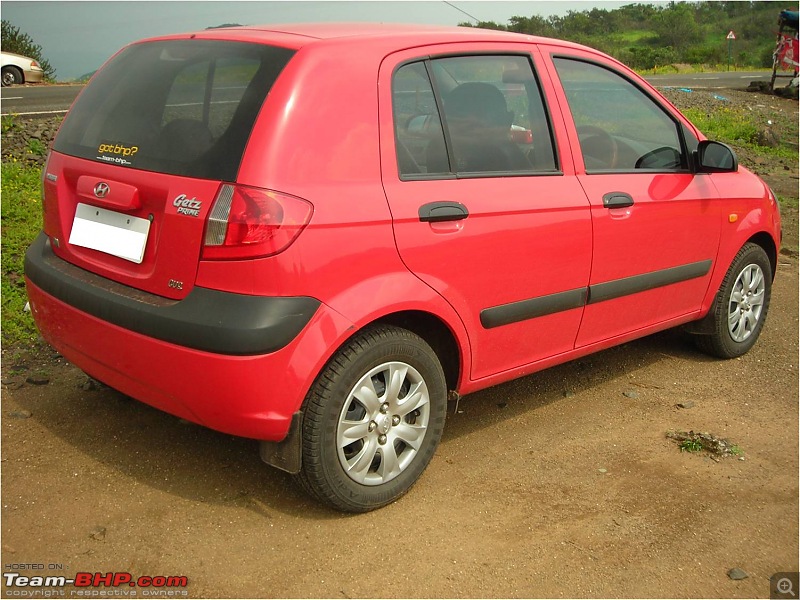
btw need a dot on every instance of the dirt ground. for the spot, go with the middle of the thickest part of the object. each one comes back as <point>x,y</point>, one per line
<point>561,484</point>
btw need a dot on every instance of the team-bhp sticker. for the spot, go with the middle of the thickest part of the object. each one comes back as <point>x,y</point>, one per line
<point>117,153</point>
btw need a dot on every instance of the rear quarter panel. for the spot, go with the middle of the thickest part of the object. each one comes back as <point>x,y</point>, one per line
<point>317,138</point>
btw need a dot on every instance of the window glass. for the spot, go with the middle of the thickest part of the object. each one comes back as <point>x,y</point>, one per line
<point>418,130</point>
<point>494,117</point>
<point>619,126</point>
<point>183,107</point>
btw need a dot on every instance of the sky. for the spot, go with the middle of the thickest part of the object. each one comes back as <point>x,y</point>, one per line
<point>78,36</point>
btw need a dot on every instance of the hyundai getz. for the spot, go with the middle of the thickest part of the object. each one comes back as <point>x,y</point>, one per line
<point>314,235</point>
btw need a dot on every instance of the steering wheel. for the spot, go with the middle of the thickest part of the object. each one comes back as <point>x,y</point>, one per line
<point>599,145</point>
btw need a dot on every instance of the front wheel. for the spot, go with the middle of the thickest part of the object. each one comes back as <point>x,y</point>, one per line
<point>741,305</point>
<point>372,420</point>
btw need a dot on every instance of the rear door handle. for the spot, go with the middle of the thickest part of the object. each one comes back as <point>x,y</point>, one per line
<point>617,200</point>
<point>436,212</point>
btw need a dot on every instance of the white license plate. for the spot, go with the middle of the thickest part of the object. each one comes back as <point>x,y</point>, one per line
<point>110,232</point>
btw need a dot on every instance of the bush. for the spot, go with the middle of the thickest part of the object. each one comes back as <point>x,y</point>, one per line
<point>22,220</point>
<point>13,40</point>
<point>645,57</point>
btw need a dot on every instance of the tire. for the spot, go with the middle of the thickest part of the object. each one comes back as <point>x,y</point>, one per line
<point>741,306</point>
<point>365,442</point>
<point>12,75</point>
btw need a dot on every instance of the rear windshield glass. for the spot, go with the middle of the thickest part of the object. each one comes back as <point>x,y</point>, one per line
<point>183,107</point>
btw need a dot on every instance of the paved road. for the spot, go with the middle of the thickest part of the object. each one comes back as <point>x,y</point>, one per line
<point>731,80</point>
<point>43,100</point>
<point>46,100</point>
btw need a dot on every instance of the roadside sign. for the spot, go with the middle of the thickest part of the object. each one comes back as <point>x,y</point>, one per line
<point>731,35</point>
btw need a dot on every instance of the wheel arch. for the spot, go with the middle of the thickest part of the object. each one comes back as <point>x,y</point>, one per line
<point>766,242</point>
<point>704,325</point>
<point>436,334</point>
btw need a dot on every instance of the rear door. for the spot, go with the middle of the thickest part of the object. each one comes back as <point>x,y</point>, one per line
<point>656,225</point>
<point>483,207</point>
<point>140,157</point>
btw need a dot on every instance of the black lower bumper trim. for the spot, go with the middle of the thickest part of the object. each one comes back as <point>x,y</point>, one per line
<point>208,320</point>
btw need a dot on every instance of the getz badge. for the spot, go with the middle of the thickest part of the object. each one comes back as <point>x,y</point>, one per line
<point>187,206</point>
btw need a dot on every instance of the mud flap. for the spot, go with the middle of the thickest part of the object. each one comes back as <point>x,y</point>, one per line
<point>704,326</point>
<point>286,454</point>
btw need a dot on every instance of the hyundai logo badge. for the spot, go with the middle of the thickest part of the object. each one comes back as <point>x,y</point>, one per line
<point>101,190</point>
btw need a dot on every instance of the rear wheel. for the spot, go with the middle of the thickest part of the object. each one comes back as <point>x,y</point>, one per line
<point>11,75</point>
<point>741,305</point>
<point>373,420</point>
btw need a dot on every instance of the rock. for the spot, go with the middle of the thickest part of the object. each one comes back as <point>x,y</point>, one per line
<point>768,137</point>
<point>686,404</point>
<point>569,394</point>
<point>98,533</point>
<point>502,404</point>
<point>737,574</point>
<point>787,92</point>
<point>632,394</point>
<point>602,471</point>
<point>758,86</point>
<point>21,414</point>
<point>90,385</point>
<point>37,380</point>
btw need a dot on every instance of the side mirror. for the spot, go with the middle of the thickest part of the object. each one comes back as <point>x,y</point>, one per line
<point>715,157</point>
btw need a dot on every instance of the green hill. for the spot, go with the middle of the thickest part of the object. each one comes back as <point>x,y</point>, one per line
<point>646,36</point>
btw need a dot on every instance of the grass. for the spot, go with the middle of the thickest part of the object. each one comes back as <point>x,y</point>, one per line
<point>737,128</point>
<point>724,124</point>
<point>21,221</point>
<point>690,446</point>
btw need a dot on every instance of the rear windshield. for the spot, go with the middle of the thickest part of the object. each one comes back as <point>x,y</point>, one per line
<point>183,107</point>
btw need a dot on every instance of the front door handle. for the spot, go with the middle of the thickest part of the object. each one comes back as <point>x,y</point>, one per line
<point>617,200</point>
<point>436,212</point>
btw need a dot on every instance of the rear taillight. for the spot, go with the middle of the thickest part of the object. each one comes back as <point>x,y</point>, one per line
<point>248,222</point>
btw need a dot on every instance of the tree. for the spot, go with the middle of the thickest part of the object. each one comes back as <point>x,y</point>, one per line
<point>13,40</point>
<point>676,27</point>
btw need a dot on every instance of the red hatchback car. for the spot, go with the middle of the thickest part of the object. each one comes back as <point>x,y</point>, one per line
<point>313,235</point>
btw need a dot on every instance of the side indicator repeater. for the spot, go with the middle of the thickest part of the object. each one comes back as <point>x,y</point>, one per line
<point>733,217</point>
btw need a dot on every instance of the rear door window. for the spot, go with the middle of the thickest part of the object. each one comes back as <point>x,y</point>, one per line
<point>182,107</point>
<point>493,114</point>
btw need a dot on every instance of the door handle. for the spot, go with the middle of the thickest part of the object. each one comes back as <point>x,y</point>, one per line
<point>436,212</point>
<point>617,200</point>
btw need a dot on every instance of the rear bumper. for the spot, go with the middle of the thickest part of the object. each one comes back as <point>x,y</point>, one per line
<point>33,76</point>
<point>206,319</point>
<point>125,341</point>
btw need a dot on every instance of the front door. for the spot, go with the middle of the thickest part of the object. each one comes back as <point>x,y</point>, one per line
<point>656,225</point>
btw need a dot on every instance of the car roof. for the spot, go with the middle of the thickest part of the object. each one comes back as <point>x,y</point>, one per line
<point>297,35</point>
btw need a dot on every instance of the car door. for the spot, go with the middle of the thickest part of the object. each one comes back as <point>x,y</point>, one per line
<point>482,208</point>
<point>656,224</point>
